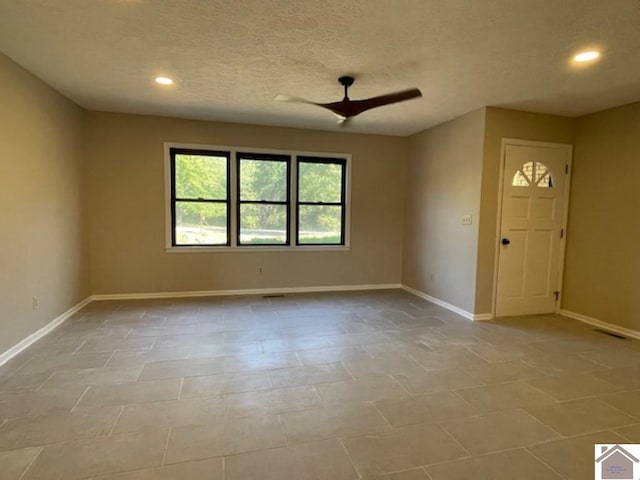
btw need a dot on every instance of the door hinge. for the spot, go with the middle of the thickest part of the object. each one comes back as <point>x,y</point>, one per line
<point>562,233</point>
<point>566,168</point>
<point>557,294</point>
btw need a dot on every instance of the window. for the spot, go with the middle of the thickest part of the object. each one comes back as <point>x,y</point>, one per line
<point>199,197</point>
<point>263,210</point>
<point>321,201</point>
<point>533,174</point>
<point>222,197</point>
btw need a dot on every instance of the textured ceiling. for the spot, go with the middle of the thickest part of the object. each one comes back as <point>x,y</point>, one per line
<point>230,58</point>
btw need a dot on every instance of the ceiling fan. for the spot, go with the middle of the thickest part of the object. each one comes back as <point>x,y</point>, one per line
<point>347,108</point>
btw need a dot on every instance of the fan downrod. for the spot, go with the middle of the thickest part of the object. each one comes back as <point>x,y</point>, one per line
<point>346,81</point>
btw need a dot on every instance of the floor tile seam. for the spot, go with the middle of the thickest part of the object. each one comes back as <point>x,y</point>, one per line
<point>166,446</point>
<point>544,373</point>
<point>402,386</point>
<point>33,460</point>
<point>456,441</point>
<point>153,344</point>
<point>479,455</point>
<point>346,368</point>
<point>504,382</point>
<point>439,423</point>
<point>75,405</point>
<point>103,323</point>
<point>349,457</point>
<point>529,445</point>
<point>428,475</point>
<point>296,350</point>
<point>79,347</point>
<point>527,449</point>
<point>600,400</point>
<point>625,436</point>
<point>51,444</point>
<point>530,415</point>
<point>108,359</point>
<point>270,413</point>
<point>631,425</point>
<point>27,362</point>
<point>582,397</point>
<point>116,421</point>
<point>601,396</point>
<point>244,452</point>
<point>476,416</point>
<point>583,356</point>
<point>457,394</point>
<point>527,380</point>
<point>282,430</point>
<point>315,382</point>
<point>386,420</point>
<point>573,436</point>
<point>180,387</point>
<point>43,383</point>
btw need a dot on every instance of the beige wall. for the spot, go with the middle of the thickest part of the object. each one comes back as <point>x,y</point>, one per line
<point>44,243</point>
<point>443,184</point>
<point>127,204</point>
<point>501,123</point>
<point>602,269</point>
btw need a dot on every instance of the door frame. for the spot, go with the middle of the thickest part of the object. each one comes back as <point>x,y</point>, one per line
<point>565,212</point>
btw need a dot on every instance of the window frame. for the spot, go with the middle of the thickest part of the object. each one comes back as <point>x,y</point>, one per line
<point>233,246</point>
<point>342,162</point>
<point>173,152</point>
<point>263,157</point>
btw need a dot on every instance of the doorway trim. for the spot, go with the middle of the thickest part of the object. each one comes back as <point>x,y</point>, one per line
<point>565,212</point>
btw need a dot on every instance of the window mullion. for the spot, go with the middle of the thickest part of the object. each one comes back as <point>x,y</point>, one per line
<point>234,214</point>
<point>293,202</point>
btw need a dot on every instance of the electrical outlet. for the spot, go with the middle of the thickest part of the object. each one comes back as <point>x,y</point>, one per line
<point>467,219</point>
<point>34,302</point>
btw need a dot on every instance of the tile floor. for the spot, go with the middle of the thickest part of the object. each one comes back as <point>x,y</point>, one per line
<point>370,385</point>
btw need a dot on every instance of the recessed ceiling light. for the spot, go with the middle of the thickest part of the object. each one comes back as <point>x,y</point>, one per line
<point>588,56</point>
<point>164,81</point>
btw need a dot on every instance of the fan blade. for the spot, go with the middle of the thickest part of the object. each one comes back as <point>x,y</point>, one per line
<point>351,108</point>
<point>291,99</point>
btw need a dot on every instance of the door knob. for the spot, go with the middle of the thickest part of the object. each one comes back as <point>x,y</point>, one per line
<point>505,241</point>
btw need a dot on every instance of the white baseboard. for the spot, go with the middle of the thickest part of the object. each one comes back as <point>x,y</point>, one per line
<point>448,306</point>
<point>627,332</point>
<point>37,335</point>
<point>256,291</point>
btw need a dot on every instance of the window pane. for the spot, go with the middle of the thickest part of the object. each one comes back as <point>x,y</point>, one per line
<point>519,180</point>
<point>201,176</point>
<point>543,176</point>
<point>546,181</point>
<point>199,223</point>
<point>527,169</point>
<point>319,182</point>
<point>319,224</point>
<point>263,180</point>
<point>263,224</point>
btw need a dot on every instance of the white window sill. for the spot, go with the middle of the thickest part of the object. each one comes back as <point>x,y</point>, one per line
<point>257,249</point>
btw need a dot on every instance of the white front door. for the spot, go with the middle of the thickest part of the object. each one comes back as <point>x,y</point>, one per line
<point>531,229</point>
